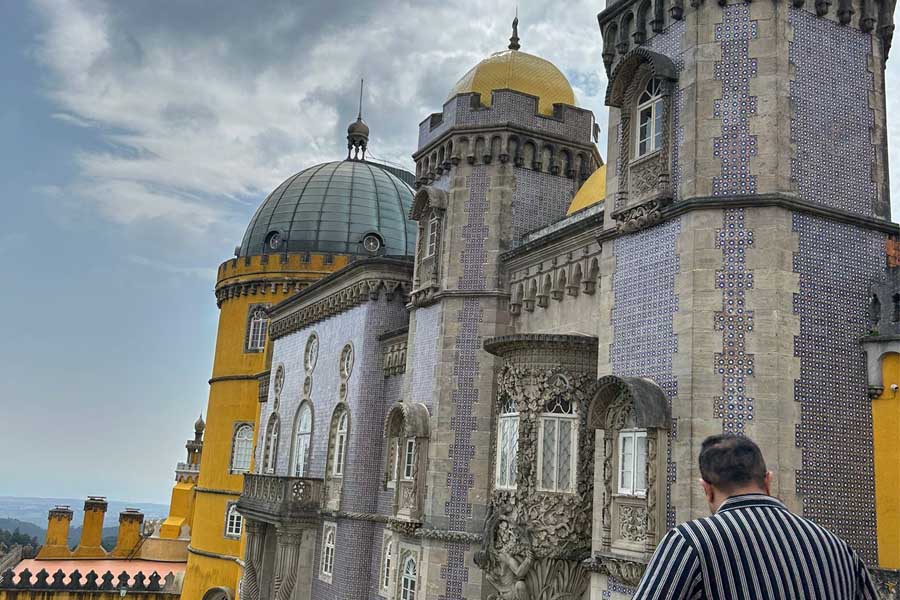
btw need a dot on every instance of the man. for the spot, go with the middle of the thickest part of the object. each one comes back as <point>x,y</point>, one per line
<point>752,547</point>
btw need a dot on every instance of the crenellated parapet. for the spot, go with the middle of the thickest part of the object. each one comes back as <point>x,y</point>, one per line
<point>510,130</point>
<point>273,275</point>
<point>628,24</point>
<point>92,582</point>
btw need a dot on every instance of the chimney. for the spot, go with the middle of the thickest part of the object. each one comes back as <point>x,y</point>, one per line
<point>92,529</point>
<point>56,544</point>
<point>130,521</point>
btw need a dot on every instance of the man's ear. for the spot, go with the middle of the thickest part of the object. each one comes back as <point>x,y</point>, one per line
<point>768,482</point>
<point>708,490</point>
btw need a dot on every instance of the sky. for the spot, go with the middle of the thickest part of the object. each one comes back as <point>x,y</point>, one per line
<point>136,141</point>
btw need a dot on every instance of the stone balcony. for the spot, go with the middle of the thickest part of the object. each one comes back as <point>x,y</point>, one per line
<point>275,499</point>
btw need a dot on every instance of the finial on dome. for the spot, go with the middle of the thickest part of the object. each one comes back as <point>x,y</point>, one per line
<point>514,40</point>
<point>199,424</point>
<point>358,133</point>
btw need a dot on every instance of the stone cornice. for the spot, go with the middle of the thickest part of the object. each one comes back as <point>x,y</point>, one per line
<point>358,282</point>
<point>448,535</point>
<point>564,234</point>
<point>233,378</point>
<point>259,287</point>
<point>503,345</point>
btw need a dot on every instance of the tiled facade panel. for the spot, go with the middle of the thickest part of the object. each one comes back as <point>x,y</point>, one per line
<point>392,389</point>
<point>375,562</point>
<point>736,147</point>
<point>352,566</point>
<point>475,231</point>
<point>837,263</point>
<point>508,107</point>
<point>668,43</point>
<point>615,587</point>
<point>734,364</point>
<point>539,199</point>
<point>423,354</point>
<point>644,305</point>
<point>831,126</point>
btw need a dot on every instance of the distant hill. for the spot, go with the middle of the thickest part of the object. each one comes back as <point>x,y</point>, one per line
<point>29,529</point>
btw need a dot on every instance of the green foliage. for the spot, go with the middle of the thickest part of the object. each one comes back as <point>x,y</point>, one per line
<point>16,537</point>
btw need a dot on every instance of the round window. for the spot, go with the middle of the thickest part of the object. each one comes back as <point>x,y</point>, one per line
<point>273,240</point>
<point>346,361</point>
<point>372,243</point>
<point>312,352</point>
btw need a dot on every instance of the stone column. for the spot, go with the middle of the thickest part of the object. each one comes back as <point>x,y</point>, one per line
<point>287,556</point>
<point>256,534</point>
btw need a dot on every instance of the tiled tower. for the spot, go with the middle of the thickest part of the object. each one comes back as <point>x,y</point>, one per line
<point>747,212</point>
<point>504,157</point>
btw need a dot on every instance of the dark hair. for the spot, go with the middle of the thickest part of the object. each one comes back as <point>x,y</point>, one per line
<point>730,461</point>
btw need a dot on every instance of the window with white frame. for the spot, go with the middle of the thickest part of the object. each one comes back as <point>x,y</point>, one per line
<point>633,462</point>
<point>507,444</point>
<point>558,446</point>
<point>387,558</point>
<point>234,522</point>
<point>242,448</point>
<point>328,538</point>
<point>649,119</point>
<point>270,450</point>
<point>431,234</point>
<point>259,322</point>
<point>409,458</point>
<point>393,465</point>
<point>303,436</point>
<point>408,581</point>
<point>340,445</point>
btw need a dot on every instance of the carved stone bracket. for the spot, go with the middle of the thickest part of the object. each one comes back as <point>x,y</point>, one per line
<point>640,216</point>
<point>628,571</point>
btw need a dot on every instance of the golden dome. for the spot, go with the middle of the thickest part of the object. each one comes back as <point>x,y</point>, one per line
<point>519,71</point>
<point>593,191</point>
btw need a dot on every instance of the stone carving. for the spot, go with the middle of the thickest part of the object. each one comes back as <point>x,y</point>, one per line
<point>622,569</point>
<point>639,217</point>
<point>633,523</point>
<point>395,358</point>
<point>645,176</point>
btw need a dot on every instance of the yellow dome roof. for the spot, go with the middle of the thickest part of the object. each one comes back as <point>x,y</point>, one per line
<point>519,71</point>
<point>593,191</point>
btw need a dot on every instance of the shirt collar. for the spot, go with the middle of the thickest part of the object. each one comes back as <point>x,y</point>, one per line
<point>748,500</point>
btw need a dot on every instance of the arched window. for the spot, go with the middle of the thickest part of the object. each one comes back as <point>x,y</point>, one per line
<point>328,549</point>
<point>558,445</point>
<point>233,522</point>
<point>507,443</point>
<point>340,445</point>
<point>242,449</point>
<point>256,339</point>
<point>409,458</point>
<point>303,435</point>
<point>408,584</point>
<point>649,119</point>
<point>270,451</point>
<point>388,556</point>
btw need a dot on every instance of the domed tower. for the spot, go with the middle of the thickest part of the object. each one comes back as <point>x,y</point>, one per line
<point>503,158</point>
<point>311,225</point>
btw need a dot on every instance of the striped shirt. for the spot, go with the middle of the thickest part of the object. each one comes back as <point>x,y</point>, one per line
<point>754,548</point>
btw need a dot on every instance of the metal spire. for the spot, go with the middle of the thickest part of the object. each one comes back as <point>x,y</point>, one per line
<point>359,116</point>
<point>514,40</point>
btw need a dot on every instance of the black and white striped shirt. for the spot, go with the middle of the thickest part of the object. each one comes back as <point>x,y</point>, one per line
<point>754,548</point>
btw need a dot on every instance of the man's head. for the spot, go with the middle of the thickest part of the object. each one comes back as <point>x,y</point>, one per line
<point>731,465</point>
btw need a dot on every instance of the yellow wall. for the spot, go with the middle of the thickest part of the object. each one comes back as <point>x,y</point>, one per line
<point>181,510</point>
<point>91,532</point>
<point>129,535</point>
<point>234,398</point>
<point>79,595</point>
<point>886,423</point>
<point>56,544</point>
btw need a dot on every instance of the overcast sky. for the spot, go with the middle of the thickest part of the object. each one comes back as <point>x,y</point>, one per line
<point>136,140</point>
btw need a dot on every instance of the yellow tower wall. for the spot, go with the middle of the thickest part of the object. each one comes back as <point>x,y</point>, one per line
<point>181,511</point>
<point>234,399</point>
<point>886,425</point>
<point>56,542</point>
<point>92,530</point>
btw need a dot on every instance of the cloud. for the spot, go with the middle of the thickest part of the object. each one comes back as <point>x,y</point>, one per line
<point>201,273</point>
<point>202,113</point>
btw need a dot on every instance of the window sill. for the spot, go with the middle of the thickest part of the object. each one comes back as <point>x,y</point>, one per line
<point>627,496</point>
<point>645,158</point>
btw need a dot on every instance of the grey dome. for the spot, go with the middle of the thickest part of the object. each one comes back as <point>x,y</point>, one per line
<point>330,208</point>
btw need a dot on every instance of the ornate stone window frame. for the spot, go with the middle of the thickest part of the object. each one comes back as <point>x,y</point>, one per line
<point>630,525</point>
<point>406,553</point>
<point>329,542</point>
<point>232,514</point>
<point>236,428</point>
<point>271,440</point>
<point>248,336</point>
<point>334,481</point>
<point>387,566</point>
<point>507,425</point>
<point>295,434</point>
<point>644,181</point>
<point>408,422</point>
<point>429,210</point>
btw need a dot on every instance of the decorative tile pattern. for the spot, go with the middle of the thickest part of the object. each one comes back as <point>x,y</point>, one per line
<point>734,364</point>
<point>474,232</point>
<point>424,350</point>
<point>615,586</point>
<point>832,120</point>
<point>644,305</point>
<point>736,146</point>
<point>836,263</point>
<point>539,199</point>
<point>668,43</point>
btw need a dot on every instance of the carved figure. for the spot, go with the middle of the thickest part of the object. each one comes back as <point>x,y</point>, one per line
<point>507,571</point>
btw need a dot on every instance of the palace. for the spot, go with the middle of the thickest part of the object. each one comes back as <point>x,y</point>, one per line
<point>490,378</point>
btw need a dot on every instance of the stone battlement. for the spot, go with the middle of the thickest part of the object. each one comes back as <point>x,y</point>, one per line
<point>507,108</point>
<point>25,580</point>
